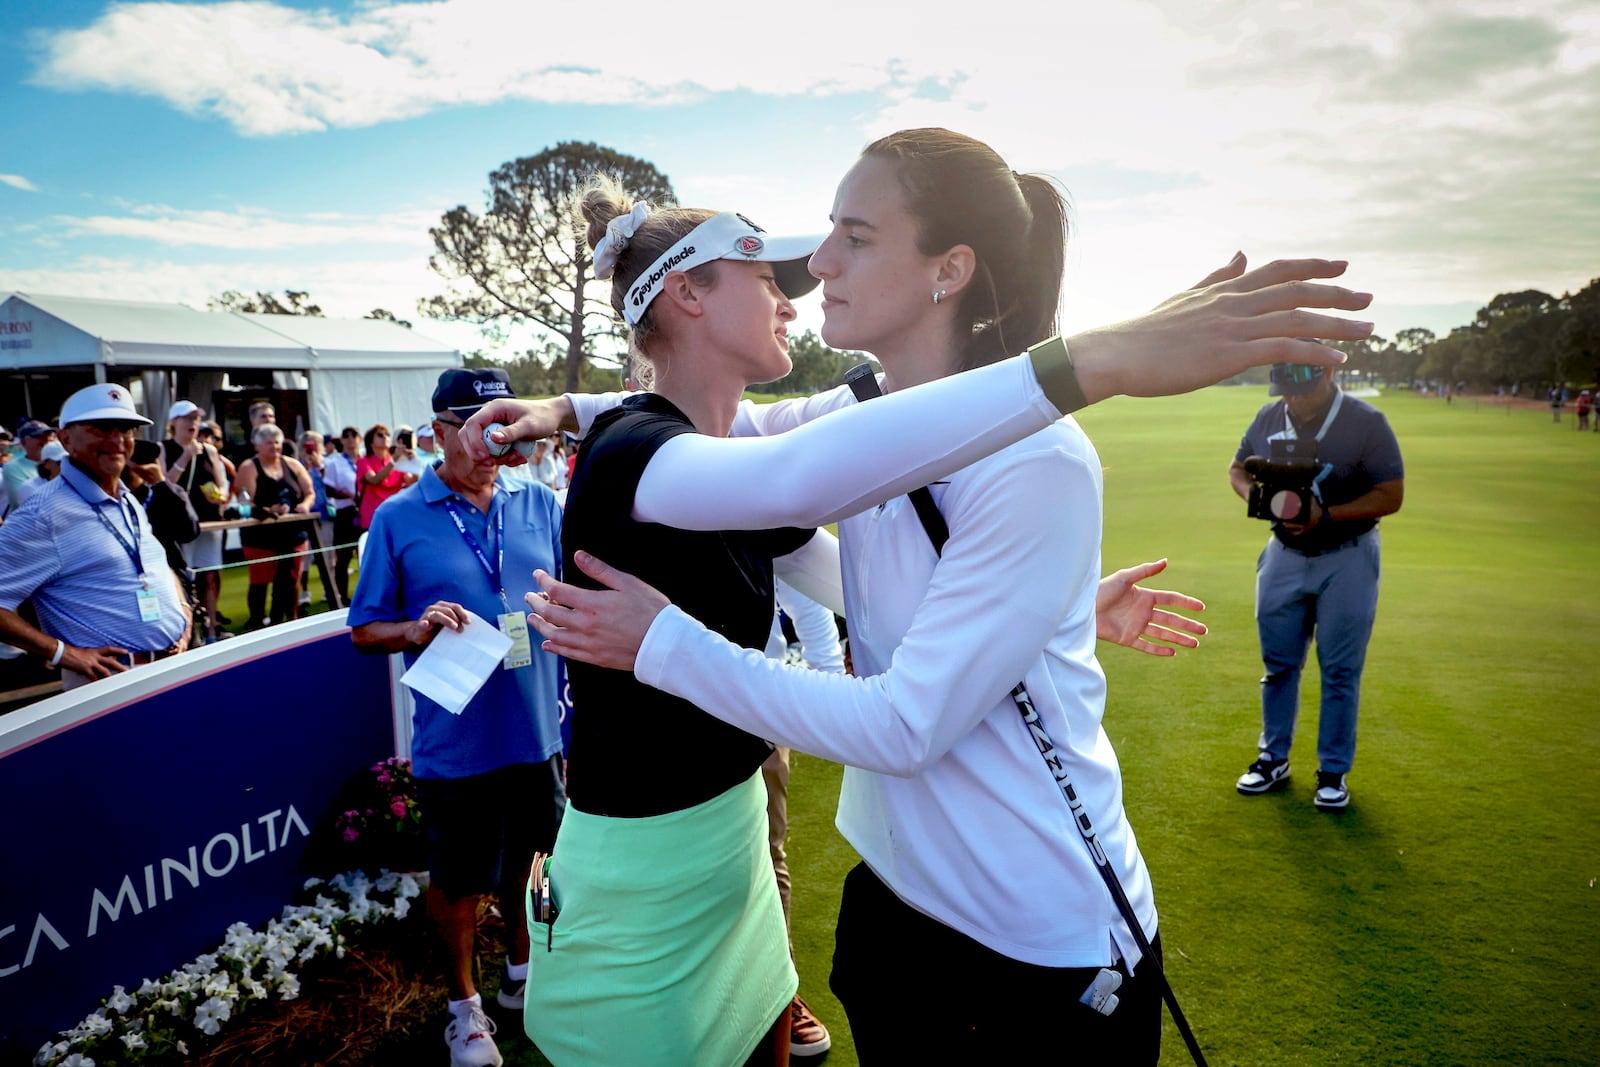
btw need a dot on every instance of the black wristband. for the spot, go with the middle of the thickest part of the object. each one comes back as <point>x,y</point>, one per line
<point>1052,366</point>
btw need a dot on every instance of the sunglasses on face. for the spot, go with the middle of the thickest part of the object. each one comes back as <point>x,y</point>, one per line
<point>1294,373</point>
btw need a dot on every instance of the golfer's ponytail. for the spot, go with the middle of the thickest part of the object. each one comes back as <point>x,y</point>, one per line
<point>602,200</point>
<point>960,192</point>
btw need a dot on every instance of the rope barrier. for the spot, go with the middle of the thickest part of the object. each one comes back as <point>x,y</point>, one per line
<point>274,559</point>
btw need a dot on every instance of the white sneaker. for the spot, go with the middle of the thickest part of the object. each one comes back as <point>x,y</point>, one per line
<point>471,1040</point>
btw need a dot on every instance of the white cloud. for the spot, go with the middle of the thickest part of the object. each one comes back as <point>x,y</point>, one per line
<point>17,181</point>
<point>1449,150</point>
<point>253,229</point>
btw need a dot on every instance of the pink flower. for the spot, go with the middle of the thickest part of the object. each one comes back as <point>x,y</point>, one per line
<point>398,806</point>
<point>351,833</point>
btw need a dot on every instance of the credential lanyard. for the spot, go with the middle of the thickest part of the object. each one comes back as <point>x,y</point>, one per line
<point>133,530</point>
<point>1327,420</point>
<point>493,570</point>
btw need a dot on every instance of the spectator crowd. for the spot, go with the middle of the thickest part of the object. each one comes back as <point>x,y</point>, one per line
<point>179,507</point>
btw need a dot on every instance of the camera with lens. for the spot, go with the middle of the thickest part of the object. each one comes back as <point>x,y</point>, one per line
<point>1280,489</point>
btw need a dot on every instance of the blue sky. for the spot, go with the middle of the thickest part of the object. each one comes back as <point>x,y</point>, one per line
<point>170,151</point>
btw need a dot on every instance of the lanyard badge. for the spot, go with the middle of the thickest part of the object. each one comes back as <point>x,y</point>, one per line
<point>512,623</point>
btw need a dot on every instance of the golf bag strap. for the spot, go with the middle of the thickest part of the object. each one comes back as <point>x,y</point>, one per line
<point>864,384</point>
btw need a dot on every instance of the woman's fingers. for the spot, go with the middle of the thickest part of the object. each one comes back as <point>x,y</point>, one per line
<point>1181,622</point>
<point>1288,270</point>
<point>1227,272</point>
<point>1287,296</point>
<point>602,572</point>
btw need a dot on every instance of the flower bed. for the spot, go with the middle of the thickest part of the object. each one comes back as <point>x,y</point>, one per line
<point>169,1021</point>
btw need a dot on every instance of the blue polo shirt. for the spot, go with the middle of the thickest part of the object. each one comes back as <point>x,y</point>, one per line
<point>415,555</point>
<point>78,573</point>
<point>1357,452</point>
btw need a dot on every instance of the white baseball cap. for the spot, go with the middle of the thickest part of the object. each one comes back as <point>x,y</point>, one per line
<point>54,450</point>
<point>96,403</point>
<point>182,408</point>
<point>727,236</point>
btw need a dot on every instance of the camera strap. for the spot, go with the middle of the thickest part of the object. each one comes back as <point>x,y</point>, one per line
<point>864,385</point>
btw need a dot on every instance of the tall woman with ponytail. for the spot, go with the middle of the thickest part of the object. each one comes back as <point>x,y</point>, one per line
<point>976,919</point>
<point>667,942</point>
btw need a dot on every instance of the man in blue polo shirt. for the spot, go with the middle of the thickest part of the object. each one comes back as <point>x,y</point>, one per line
<point>1320,576</point>
<point>490,778</point>
<point>82,550</point>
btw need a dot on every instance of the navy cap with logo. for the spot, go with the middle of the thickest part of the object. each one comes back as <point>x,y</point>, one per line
<point>464,391</point>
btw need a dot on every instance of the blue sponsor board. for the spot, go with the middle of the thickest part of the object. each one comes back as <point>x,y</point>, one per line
<point>141,816</point>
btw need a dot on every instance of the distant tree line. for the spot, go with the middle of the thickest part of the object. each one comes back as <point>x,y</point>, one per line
<point>522,263</point>
<point>1529,337</point>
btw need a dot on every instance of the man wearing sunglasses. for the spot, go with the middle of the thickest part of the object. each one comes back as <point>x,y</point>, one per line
<point>1320,576</point>
<point>462,540</point>
<point>82,550</point>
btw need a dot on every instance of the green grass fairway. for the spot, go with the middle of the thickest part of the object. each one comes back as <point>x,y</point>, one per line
<point>1452,915</point>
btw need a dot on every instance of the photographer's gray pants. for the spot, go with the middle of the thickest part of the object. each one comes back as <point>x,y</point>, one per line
<point>1333,596</point>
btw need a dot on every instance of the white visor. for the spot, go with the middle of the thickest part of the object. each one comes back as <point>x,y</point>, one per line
<point>727,236</point>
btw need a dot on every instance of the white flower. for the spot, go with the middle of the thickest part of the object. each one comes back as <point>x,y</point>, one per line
<point>253,987</point>
<point>77,1059</point>
<point>96,1025</point>
<point>133,1041</point>
<point>209,1016</point>
<point>48,1052</point>
<point>219,985</point>
<point>149,988</point>
<point>120,1002</point>
<point>402,908</point>
<point>183,1048</point>
<point>289,988</point>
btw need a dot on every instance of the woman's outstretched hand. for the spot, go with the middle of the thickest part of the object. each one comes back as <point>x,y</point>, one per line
<point>604,627</point>
<point>1233,320</point>
<point>523,420</point>
<point>1127,614</point>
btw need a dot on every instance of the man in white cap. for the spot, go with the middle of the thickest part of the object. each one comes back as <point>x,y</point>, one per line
<point>33,435</point>
<point>82,550</point>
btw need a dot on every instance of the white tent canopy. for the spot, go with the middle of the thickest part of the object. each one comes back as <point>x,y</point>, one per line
<point>359,371</point>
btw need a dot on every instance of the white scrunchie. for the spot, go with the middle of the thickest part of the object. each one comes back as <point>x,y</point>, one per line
<point>619,231</point>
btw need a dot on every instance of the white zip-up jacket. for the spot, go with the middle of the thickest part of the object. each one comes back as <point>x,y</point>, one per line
<point>945,795</point>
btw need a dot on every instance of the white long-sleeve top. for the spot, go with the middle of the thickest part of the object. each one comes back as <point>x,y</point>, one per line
<point>945,795</point>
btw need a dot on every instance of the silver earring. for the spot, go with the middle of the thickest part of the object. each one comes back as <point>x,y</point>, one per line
<point>938,295</point>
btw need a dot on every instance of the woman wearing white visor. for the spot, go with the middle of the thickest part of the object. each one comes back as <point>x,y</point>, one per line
<point>976,894</point>
<point>669,946</point>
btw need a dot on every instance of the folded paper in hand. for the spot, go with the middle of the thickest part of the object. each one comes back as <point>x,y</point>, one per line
<point>454,667</point>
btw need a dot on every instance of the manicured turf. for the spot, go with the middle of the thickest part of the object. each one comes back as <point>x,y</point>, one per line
<point>1452,915</point>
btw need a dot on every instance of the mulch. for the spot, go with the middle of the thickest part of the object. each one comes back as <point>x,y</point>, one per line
<point>384,1003</point>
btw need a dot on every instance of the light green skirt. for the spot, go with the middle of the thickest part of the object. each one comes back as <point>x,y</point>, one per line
<point>669,946</point>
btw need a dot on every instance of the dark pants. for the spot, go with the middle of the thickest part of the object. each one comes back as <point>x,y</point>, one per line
<point>484,829</point>
<point>917,991</point>
<point>345,533</point>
